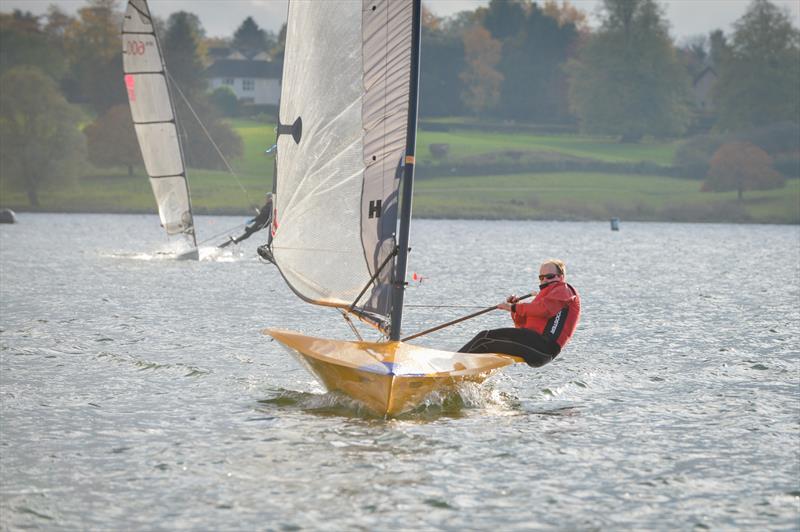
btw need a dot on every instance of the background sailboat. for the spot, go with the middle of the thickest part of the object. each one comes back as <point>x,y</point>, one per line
<point>155,122</point>
<point>345,164</point>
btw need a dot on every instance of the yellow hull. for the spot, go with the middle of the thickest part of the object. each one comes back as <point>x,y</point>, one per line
<point>389,378</point>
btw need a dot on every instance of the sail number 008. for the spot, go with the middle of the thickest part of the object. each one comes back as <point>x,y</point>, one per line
<point>136,47</point>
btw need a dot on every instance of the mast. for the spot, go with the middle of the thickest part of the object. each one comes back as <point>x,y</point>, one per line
<point>408,180</point>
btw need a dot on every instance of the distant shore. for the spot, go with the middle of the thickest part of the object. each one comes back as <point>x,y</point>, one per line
<point>524,176</point>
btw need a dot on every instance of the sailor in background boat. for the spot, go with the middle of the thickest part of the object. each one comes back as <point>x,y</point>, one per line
<point>542,327</point>
<point>255,225</point>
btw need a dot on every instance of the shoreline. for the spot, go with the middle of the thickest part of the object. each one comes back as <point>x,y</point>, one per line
<point>423,216</point>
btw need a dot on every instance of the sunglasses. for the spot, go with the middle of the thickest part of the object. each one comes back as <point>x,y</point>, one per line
<point>548,276</point>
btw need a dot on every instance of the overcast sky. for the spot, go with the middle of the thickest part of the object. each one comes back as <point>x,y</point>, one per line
<point>222,17</point>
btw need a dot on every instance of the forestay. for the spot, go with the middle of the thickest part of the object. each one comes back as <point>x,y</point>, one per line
<point>154,119</point>
<point>344,111</point>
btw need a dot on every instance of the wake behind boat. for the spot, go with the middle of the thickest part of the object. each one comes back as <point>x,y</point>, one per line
<point>344,182</point>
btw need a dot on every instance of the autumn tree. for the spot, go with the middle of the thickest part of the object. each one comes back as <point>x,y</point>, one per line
<point>536,42</point>
<point>759,79</point>
<point>111,139</point>
<point>93,46</point>
<point>566,13</point>
<point>741,166</point>
<point>627,79</point>
<point>39,137</point>
<point>482,81</point>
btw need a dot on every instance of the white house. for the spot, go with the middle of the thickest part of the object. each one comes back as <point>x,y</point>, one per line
<point>255,81</point>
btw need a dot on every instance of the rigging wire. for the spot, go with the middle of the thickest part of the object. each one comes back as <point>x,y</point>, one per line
<point>216,147</point>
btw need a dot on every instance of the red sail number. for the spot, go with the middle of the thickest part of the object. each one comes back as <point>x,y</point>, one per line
<point>136,47</point>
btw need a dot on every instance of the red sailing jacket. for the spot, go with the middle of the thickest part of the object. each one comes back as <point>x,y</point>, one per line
<point>553,313</point>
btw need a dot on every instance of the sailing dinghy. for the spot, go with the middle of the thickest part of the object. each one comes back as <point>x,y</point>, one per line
<point>344,182</point>
<point>154,119</point>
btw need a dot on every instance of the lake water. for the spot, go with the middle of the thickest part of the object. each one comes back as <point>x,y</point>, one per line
<point>138,392</point>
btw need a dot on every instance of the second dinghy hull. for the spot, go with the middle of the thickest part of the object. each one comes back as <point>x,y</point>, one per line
<point>389,378</point>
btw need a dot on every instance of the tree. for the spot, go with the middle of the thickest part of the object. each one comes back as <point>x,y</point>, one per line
<point>183,53</point>
<point>718,47</point>
<point>627,79</point>
<point>504,18</point>
<point>534,87</point>
<point>24,42</point>
<point>741,166</point>
<point>39,136</point>
<point>184,17</point>
<point>482,81</point>
<point>695,55</point>
<point>280,44</point>
<point>199,150</point>
<point>196,116</point>
<point>225,100</point>
<point>93,46</point>
<point>566,13</point>
<point>759,77</point>
<point>111,139</point>
<point>440,66</point>
<point>251,40</point>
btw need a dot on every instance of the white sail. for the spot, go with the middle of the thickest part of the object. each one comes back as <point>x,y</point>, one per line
<point>344,114</point>
<point>154,120</point>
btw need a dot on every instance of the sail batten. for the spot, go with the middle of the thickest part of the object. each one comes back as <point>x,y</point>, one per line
<point>154,121</point>
<point>347,78</point>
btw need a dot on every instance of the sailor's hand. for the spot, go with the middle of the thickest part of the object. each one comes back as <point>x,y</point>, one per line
<point>512,299</point>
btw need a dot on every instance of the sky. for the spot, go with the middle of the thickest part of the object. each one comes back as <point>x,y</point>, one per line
<point>220,18</point>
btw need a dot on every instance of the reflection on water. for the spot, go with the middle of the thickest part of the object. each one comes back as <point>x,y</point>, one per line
<point>138,392</point>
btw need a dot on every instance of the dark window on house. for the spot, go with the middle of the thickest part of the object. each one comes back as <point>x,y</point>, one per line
<point>248,84</point>
<point>227,81</point>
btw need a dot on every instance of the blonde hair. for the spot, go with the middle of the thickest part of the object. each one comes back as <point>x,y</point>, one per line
<point>559,264</point>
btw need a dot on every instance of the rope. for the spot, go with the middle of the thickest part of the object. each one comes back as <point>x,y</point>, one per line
<point>225,232</point>
<point>203,127</point>
<point>444,306</point>
<point>352,326</point>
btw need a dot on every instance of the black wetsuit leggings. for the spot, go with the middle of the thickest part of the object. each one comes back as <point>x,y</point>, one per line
<point>533,347</point>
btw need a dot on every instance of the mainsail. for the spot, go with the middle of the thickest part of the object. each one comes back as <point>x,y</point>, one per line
<point>345,143</point>
<point>153,115</point>
<point>344,181</point>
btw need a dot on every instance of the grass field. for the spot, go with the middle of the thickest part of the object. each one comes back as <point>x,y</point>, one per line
<point>468,143</point>
<point>579,196</point>
<point>592,196</point>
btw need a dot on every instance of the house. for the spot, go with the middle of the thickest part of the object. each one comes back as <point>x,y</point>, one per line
<point>703,89</point>
<point>255,81</point>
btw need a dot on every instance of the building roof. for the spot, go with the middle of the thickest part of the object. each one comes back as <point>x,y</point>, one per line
<point>244,68</point>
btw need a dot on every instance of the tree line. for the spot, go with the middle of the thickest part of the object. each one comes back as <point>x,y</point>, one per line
<point>512,61</point>
<point>63,104</point>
